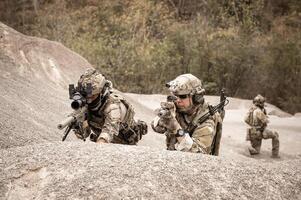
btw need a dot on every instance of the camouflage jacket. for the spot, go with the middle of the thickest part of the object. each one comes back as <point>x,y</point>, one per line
<point>112,120</point>
<point>204,133</point>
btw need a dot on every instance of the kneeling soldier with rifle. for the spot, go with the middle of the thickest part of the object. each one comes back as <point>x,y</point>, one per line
<point>100,113</point>
<point>257,119</point>
<point>189,123</point>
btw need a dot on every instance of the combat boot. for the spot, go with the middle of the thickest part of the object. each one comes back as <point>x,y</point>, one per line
<point>275,156</point>
<point>255,146</point>
<point>253,151</point>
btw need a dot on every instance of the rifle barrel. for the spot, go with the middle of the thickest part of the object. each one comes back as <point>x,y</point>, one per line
<point>65,122</point>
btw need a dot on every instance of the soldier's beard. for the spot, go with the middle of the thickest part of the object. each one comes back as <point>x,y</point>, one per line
<point>187,109</point>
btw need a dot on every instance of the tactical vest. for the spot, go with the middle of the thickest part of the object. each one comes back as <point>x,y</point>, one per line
<point>189,126</point>
<point>128,120</point>
<point>97,119</point>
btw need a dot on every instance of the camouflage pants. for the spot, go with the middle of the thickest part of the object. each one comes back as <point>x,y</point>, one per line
<point>256,136</point>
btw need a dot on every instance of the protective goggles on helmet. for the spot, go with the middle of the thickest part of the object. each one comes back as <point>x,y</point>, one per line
<point>182,96</point>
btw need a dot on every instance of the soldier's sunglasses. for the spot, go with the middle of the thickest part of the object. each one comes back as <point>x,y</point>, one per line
<point>183,96</point>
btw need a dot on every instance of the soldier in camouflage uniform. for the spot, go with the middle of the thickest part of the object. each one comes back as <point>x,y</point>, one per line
<point>110,116</point>
<point>188,106</point>
<point>257,119</point>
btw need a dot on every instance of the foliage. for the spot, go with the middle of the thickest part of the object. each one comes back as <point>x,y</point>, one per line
<point>245,46</point>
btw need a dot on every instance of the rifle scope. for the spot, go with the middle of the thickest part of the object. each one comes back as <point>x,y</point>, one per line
<point>78,101</point>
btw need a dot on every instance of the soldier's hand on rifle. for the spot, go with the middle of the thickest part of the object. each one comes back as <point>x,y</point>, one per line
<point>167,110</point>
<point>168,120</point>
<point>83,131</point>
<point>155,124</point>
<point>78,134</point>
<point>161,125</point>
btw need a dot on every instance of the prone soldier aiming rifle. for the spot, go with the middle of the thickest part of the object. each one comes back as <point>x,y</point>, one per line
<point>77,119</point>
<point>101,113</point>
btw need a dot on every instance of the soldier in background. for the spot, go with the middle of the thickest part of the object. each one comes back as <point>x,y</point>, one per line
<point>109,115</point>
<point>257,119</point>
<point>179,125</point>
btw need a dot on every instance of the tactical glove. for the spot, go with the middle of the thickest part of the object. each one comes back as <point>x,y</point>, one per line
<point>83,130</point>
<point>168,120</point>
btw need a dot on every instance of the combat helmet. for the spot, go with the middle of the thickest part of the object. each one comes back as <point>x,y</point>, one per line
<point>259,101</point>
<point>187,84</point>
<point>92,83</point>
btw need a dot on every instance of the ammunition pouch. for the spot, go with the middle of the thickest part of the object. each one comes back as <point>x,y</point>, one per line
<point>130,136</point>
<point>134,133</point>
<point>141,128</point>
<point>254,134</point>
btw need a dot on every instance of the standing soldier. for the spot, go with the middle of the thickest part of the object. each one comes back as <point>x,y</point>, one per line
<point>184,131</point>
<point>109,115</point>
<point>257,119</point>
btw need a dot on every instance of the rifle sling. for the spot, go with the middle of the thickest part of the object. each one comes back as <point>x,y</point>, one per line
<point>193,125</point>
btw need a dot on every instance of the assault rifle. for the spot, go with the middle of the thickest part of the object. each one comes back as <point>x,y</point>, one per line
<point>74,121</point>
<point>212,110</point>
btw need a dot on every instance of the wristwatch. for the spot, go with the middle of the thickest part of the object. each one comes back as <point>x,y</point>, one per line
<point>180,133</point>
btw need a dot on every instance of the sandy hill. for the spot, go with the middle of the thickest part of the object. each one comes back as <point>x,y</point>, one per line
<point>35,164</point>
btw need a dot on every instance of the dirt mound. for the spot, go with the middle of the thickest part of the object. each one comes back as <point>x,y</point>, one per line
<point>95,172</point>
<point>35,74</point>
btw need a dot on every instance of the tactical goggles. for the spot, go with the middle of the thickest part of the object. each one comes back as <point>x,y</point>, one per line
<point>182,96</point>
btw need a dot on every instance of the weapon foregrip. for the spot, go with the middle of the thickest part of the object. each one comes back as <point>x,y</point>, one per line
<point>65,122</point>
